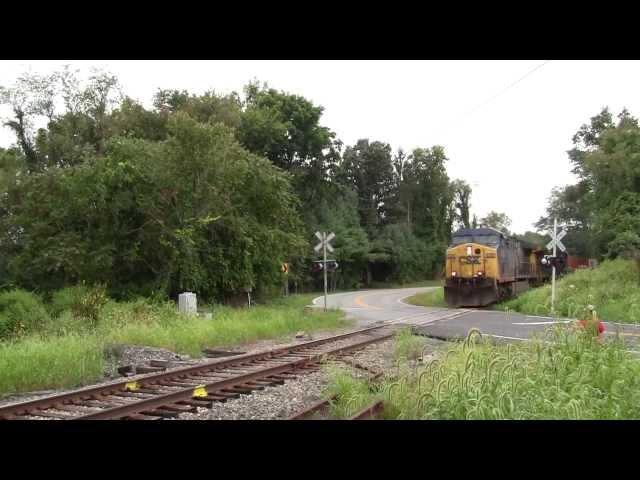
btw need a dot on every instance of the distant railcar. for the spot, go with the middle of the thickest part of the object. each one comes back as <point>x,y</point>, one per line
<point>484,266</point>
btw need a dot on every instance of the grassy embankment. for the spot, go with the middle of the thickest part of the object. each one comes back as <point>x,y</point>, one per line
<point>433,298</point>
<point>572,377</point>
<point>613,289</point>
<point>68,350</point>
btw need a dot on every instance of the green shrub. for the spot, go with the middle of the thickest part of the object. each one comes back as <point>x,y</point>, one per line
<point>21,312</point>
<point>407,345</point>
<point>89,305</point>
<point>85,303</point>
<point>66,298</point>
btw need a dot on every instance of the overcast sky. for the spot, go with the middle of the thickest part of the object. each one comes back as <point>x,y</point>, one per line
<point>505,125</point>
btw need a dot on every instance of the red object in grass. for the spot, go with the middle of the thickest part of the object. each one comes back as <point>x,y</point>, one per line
<point>583,324</point>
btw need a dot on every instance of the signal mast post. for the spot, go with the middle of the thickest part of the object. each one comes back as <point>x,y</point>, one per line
<point>324,270</point>
<point>325,245</point>
<point>553,267</point>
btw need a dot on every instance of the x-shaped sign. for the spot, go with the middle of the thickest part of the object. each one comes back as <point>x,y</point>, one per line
<point>557,241</point>
<point>324,239</point>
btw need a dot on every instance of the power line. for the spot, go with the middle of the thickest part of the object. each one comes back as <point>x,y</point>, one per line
<point>507,88</point>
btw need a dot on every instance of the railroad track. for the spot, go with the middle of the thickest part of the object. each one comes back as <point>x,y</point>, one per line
<point>319,410</point>
<point>168,394</point>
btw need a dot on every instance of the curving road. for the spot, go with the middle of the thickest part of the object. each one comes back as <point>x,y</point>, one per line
<point>370,307</point>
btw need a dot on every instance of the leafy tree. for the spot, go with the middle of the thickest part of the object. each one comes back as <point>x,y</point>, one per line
<point>499,221</point>
<point>397,254</point>
<point>207,108</point>
<point>351,243</point>
<point>12,162</point>
<point>535,239</point>
<point>433,213</point>
<point>82,128</point>
<point>155,216</point>
<point>621,227</point>
<point>462,197</point>
<point>367,169</point>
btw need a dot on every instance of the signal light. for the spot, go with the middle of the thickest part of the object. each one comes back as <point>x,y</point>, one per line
<point>479,274</point>
<point>551,261</point>
<point>318,266</point>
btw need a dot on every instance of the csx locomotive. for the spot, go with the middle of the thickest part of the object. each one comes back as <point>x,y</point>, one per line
<point>483,266</point>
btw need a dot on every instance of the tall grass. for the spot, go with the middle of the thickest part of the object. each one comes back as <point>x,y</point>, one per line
<point>568,376</point>
<point>407,345</point>
<point>612,288</point>
<point>36,364</point>
<point>227,327</point>
<point>70,350</point>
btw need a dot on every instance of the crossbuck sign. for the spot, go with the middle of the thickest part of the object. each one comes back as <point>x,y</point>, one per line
<point>324,241</point>
<point>555,242</point>
<point>324,245</point>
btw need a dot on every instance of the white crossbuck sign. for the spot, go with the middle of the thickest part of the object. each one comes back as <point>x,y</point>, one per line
<point>324,239</point>
<point>555,239</point>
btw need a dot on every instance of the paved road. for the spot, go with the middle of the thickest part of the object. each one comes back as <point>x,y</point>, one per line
<point>370,307</point>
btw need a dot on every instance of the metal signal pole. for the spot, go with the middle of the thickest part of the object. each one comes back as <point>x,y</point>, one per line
<point>553,267</point>
<point>324,248</point>
<point>324,244</point>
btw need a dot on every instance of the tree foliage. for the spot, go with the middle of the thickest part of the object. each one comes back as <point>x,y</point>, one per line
<point>497,220</point>
<point>207,192</point>
<point>599,209</point>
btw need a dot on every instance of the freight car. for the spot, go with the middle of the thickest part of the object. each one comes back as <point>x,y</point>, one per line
<point>484,266</point>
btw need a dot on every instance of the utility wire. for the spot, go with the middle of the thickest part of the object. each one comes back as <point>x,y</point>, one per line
<point>507,88</point>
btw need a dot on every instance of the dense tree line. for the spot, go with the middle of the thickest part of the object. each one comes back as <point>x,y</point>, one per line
<point>209,193</point>
<point>603,208</point>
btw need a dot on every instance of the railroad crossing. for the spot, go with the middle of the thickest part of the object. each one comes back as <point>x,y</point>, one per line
<point>388,306</point>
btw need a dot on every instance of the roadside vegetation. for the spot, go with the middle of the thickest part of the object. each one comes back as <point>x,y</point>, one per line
<point>612,288</point>
<point>66,341</point>
<point>433,298</point>
<point>566,375</point>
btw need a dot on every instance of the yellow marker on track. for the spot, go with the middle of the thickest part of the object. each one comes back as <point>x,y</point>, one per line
<point>200,392</point>
<point>131,386</point>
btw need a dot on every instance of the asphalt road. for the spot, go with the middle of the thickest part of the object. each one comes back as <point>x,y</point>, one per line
<point>369,307</point>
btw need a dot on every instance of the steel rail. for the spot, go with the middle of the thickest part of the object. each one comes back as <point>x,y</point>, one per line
<point>23,408</point>
<point>213,387</point>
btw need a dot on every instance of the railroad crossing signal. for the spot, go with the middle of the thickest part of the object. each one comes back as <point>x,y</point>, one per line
<point>555,241</point>
<point>324,240</point>
<point>325,245</point>
<point>285,268</point>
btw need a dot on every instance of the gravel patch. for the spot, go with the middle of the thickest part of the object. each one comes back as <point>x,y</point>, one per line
<point>117,356</point>
<point>281,401</point>
<point>272,403</point>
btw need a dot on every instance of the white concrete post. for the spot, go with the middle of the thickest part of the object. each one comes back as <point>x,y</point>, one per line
<point>187,303</point>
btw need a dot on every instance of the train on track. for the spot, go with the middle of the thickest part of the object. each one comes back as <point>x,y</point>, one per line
<point>484,266</point>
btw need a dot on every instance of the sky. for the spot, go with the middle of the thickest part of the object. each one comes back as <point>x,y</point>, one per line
<point>505,125</point>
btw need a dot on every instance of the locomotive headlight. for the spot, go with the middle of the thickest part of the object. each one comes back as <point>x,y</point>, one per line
<point>468,251</point>
<point>479,274</point>
<point>453,274</point>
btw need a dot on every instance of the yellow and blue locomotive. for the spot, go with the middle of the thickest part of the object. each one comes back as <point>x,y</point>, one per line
<point>483,266</point>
